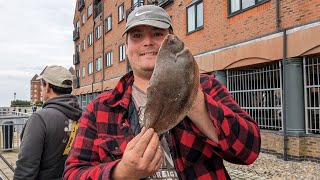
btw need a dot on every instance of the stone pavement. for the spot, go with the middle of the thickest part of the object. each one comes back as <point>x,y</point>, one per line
<point>265,167</point>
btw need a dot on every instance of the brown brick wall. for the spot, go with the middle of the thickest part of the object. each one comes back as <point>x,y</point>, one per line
<point>219,29</point>
<point>306,147</point>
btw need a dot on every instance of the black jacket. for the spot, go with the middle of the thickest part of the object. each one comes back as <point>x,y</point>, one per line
<point>44,139</point>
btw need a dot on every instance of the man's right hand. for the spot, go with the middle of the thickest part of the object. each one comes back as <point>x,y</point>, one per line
<point>142,157</point>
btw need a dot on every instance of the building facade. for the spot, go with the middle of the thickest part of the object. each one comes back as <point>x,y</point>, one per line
<point>35,90</point>
<point>266,52</point>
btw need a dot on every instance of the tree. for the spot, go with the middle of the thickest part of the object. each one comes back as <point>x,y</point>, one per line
<point>20,103</point>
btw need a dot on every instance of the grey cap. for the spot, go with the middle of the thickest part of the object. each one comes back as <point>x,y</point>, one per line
<point>57,75</point>
<point>150,15</point>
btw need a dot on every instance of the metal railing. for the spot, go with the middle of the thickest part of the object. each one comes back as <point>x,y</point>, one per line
<point>258,92</point>
<point>311,68</point>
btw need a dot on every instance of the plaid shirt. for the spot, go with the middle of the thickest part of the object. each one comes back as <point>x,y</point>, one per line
<point>104,133</point>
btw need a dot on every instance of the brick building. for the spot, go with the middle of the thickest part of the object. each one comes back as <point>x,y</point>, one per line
<point>257,48</point>
<point>35,90</point>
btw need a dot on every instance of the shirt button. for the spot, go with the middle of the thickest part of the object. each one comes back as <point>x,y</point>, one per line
<point>116,148</point>
<point>123,124</point>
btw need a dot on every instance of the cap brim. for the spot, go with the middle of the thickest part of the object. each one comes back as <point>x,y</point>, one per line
<point>154,23</point>
<point>38,78</point>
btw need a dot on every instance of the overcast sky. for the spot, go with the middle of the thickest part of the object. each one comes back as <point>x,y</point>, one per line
<point>33,34</point>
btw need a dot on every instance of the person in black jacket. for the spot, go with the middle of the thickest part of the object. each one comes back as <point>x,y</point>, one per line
<point>45,136</point>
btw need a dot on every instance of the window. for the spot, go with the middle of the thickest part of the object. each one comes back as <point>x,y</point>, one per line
<point>90,67</point>
<point>109,58</point>
<point>83,71</point>
<point>195,16</point>
<point>121,12</point>
<point>122,52</point>
<point>83,45</point>
<point>89,10</point>
<point>83,18</point>
<point>136,3</point>
<point>77,48</point>
<point>90,39</point>
<point>236,6</point>
<point>98,63</point>
<point>108,23</point>
<point>77,73</point>
<point>98,32</point>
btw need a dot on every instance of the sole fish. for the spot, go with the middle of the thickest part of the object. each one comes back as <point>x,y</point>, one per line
<point>173,86</point>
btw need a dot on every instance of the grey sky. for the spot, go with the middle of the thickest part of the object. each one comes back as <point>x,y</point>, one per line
<point>33,34</point>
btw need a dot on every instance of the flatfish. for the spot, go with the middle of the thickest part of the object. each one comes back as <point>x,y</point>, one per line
<point>173,86</point>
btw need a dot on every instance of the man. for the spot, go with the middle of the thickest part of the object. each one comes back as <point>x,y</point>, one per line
<point>45,136</point>
<point>109,144</point>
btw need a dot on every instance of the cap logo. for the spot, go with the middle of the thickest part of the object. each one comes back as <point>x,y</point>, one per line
<point>139,14</point>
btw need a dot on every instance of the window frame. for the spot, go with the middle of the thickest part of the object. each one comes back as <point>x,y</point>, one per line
<point>91,8</point>
<point>121,5</point>
<point>109,61</point>
<point>99,63</point>
<point>90,39</point>
<point>98,32</point>
<point>90,67</point>
<point>195,5</point>
<point>107,22</point>
<point>83,18</point>
<point>257,3</point>
<point>122,52</point>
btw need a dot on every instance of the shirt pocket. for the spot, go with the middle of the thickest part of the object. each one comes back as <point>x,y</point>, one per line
<point>110,148</point>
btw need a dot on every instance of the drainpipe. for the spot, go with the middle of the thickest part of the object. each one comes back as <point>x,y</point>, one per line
<point>94,23</point>
<point>284,66</point>
<point>102,30</point>
<point>278,15</point>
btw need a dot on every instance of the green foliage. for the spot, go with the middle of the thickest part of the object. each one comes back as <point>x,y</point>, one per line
<point>20,103</point>
<point>38,103</point>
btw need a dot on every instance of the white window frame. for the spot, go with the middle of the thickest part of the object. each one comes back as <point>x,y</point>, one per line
<point>98,63</point>
<point>109,57</point>
<point>89,10</point>
<point>83,18</point>
<point>122,52</point>
<point>90,39</point>
<point>90,67</point>
<point>83,45</point>
<point>98,32</point>
<point>109,23</point>
<point>121,12</point>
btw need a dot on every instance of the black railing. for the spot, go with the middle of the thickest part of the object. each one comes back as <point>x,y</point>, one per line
<point>97,9</point>
<point>137,4</point>
<point>81,5</point>
<point>76,34</point>
<point>76,58</point>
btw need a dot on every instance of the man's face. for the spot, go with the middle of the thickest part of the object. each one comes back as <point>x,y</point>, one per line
<point>142,47</point>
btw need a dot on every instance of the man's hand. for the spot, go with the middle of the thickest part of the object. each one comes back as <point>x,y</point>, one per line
<point>142,157</point>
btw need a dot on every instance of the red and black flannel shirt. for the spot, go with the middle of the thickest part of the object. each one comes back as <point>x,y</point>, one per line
<point>104,133</point>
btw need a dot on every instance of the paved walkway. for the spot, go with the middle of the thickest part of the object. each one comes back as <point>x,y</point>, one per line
<point>264,168</point>
<point>13,156</point>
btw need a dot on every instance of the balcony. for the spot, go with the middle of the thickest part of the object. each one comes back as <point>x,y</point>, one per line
<point>76,34</point>
<point>77,82</point>
<point>97,9</point>
<point>76,58</point>
<point>81,5</point>
<point>137,4</point>
<point>160,3</point>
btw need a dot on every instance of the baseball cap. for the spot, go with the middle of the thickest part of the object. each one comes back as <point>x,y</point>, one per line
<point>57,75</point>
<point>150,15</point>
